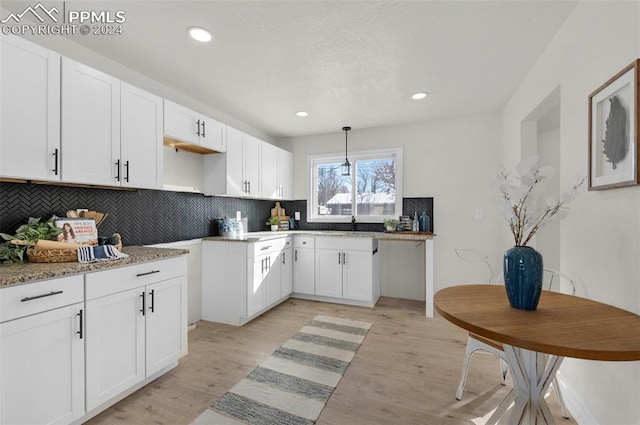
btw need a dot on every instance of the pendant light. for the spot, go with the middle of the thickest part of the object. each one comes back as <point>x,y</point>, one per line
<point>346,165</point>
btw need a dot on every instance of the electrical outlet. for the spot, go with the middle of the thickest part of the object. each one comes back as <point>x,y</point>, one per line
<point>238,215</point>
<point>297,215</point>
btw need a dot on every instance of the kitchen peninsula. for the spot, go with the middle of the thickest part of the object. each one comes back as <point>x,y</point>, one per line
<point>245,277</point>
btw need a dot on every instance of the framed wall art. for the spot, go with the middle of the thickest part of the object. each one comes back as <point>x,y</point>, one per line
<point>613,131</point>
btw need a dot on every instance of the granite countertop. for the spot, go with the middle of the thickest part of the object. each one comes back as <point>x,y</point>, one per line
<point>12,274</point>
<point>261,236</point>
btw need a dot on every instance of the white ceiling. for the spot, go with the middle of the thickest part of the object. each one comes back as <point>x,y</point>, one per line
<point>345,62</point>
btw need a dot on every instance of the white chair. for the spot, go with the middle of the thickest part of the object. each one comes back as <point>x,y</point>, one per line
<point>476,343</point>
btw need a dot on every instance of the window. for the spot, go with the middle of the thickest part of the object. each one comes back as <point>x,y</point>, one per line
<point>371,193</point>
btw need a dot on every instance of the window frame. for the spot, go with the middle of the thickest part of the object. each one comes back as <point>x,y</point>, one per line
<point>354,157</point>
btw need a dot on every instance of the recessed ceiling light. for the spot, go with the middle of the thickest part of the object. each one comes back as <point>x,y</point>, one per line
<point>419,95</point>
<point>199,34</point>
<point>302,113</point>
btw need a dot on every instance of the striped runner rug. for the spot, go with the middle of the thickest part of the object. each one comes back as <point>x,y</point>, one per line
<point>292,386</point>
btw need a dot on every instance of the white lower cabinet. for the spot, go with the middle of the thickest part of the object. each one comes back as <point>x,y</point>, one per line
<point>241,280</point>
<point>42,352</point>
<point>304,273</point>
<point>72,346</point>
<point>115,347</point>
<point>346,270</point>
<point>136,326</point>
<point>286,269</point>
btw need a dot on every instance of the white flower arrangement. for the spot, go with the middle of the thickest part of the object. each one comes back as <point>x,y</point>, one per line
<point>521,209</point>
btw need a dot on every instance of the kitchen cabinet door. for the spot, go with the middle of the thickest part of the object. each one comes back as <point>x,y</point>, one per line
<point>329,273</point>
<point>42,368</point>
<point>213,135</point>
<point>115,344</point>
<point>90,125</point>
<point>141,138</point>
<point>256,286</point>
<point>304,277</point>
<point>269,172</point>
<point>30,105</point>
<point>166,323</point>
<point>272,277</point>
<point>286,273</point>
<point>236,184</point>
<point>285,174</point>
<point>181,123</point>
<point>251,165</point>
<point>357,275</point>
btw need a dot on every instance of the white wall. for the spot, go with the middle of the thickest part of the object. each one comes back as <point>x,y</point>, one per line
<point>454,161</point>
<point>600,239</point>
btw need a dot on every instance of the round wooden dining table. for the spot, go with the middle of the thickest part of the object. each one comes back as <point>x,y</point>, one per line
<point>536,341</point>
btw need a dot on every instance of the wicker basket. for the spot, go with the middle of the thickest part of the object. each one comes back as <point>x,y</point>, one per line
<point>52,255</point>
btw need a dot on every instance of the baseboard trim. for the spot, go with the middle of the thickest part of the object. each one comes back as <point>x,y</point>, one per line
<point>576,407</point>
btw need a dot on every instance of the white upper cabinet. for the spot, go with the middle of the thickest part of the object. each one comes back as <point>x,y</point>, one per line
<point>111,131</point>
<point>285,174</point>
<point>269,182</point>
<point>238,171</point>
<point>252,165</point>
<point>90,125</point>
<point>141,138</point>
<point>213,135</point>
<point>277,172</point>
<point>189,130</point>
<point>29,111</point>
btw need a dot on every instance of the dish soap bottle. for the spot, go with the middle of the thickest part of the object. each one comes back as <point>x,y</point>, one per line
<point>423,222</point>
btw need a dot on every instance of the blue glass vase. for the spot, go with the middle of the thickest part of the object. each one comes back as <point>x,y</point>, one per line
<point>523,277</point>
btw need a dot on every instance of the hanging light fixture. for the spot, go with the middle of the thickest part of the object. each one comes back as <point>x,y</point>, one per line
<point>346,165</point>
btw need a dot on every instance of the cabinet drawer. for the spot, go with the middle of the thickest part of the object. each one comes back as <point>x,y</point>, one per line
<point>345,244</point>
<point>304,241</point>
<point>111,281</point>
<point>264,247</point>
<point>31,298</point>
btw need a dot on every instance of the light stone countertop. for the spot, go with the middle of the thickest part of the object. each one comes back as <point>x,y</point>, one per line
<point>13,274</point>
<point>262,236</point>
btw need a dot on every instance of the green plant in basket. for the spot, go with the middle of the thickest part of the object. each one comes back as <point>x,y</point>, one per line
<point>28,234</point>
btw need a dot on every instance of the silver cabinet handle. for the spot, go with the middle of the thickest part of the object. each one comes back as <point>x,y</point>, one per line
<point>284,261</point>
<point>295,255</point>
<point>339,257</point>
<point>344,258</point>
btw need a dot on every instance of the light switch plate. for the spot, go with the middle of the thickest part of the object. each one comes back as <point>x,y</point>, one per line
<point>297,215</point>
<point>238,215</point>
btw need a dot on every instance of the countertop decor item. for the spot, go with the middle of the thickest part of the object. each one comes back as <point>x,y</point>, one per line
<point>15,246</point>
<point>274,222</point>
<point>525,215</point>
<point>391,224</point>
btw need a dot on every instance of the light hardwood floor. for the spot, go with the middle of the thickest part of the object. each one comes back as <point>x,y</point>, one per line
<point>405,372</point>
